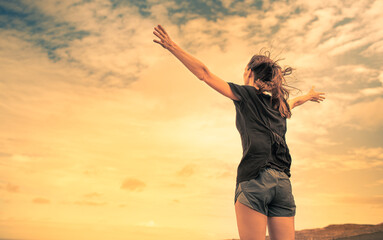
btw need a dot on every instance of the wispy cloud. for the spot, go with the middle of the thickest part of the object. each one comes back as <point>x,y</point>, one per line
<point>30,23</point>
<point>368,200</point>
<point>150,223</point>
<point>108,38</point>
<point>90,203</point>
<point>353,159</point>
<point>187,171</point>
<point>92,195</point>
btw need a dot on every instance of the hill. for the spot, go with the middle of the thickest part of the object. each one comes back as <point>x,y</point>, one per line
<point>348,231</point>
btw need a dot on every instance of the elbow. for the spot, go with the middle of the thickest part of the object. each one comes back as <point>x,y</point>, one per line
<point>204,74</point>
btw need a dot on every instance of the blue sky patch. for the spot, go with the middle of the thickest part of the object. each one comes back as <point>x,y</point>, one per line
<point>38,28</point>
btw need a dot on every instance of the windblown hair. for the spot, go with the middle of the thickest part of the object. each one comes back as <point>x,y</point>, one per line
<point>269,76</point>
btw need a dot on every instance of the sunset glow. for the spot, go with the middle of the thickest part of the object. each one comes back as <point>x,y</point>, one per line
<point>105,135</point>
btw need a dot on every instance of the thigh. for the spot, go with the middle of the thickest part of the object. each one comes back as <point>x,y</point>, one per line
<point>281,228</point>
<point>282,211</point>
<point>251,224</point>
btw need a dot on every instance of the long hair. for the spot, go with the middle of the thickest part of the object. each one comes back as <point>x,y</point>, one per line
<point>269,76</point>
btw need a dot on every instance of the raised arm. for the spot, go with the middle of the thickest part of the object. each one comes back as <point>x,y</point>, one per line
<point>310,96</point>
<point>193,64</point>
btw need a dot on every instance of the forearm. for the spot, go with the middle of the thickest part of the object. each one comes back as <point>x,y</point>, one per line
<point>300,100</point>
<point>193,64</point>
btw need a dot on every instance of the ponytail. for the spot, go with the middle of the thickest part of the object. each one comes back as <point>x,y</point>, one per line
<point>269,76</point>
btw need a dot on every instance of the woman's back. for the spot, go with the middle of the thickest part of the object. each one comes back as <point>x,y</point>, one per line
<point>262,131</point>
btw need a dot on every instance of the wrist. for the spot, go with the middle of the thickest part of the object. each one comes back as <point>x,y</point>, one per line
<point>172,46</point>
<point>307,97</point>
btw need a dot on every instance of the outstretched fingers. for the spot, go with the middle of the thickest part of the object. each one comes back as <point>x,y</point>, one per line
<point>160,32</point>
<point>321,97</point>
<point>158,35</point>
<point>163,29</point>
<point>154,40</point>
<point>318,96</point>
<point>164,39</point>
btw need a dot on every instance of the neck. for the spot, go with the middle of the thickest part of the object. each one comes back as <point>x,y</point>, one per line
<point>264,92</point>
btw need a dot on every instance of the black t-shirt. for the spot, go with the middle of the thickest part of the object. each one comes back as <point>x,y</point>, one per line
<point>262,131</point>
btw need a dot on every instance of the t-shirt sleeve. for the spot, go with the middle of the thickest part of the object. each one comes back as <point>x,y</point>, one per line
<point>239,91</point>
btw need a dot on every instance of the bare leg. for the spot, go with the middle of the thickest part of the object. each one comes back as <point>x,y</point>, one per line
<point>281,228</point>
<point>251,224</point>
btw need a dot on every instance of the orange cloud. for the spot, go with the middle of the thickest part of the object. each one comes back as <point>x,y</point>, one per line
<point>187,171</point>
<point>12,188</point>
<point>133,184</point>
<point>93,194</point>
<point>41,200</point>
<point>177,185</point>
<point>90,203</point>
<point>226,174</point>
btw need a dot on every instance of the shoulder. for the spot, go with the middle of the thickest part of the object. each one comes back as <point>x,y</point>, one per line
<point>240,87</point>
<point>241,92</point>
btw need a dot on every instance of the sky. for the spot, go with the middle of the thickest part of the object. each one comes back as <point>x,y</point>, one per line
<point>105,134</point>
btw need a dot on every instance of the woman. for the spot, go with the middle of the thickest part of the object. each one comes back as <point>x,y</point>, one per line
<point>263,195</point>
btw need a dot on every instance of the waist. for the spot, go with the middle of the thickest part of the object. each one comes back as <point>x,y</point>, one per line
<point>275,172</point>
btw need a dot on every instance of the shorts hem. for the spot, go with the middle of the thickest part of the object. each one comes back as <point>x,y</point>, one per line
<point>290,215</point>
<point>248,203</point>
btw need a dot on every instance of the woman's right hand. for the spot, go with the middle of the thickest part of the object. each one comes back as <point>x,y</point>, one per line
<point>315,96</point>
<point>160,32</point>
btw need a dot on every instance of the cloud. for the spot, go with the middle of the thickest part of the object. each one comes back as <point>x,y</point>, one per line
<point>352,159</point>
<point>343,31</point>
<point>133,184</point>
<point>376,183</point>
<point>375,48</point>
<point>92,195</point>
<point>355,199</point>
<point>187,170</point>
<point>149,223</point>
<point>31,24</point>
<point>9,187</point>
<point>90,203</point>
<point>12,188</point>
<point>5,154</point>
<point>320,198</point>
<point>226,174</point>
<point>93,35</point>
<point>177,185</point>
<point>40,200</point>
<point>364,115</point>
<point>21,158</point>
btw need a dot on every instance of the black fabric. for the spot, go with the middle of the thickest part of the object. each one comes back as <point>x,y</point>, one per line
<point>262,130</point>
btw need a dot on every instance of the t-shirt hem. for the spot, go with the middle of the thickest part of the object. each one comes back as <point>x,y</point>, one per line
<point>239,180</point>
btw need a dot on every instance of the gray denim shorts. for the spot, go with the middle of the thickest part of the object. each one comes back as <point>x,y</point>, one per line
<point>270,193</point>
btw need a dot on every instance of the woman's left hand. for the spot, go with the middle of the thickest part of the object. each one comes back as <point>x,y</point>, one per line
<point>315,96</point>
<point>160,32</point>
